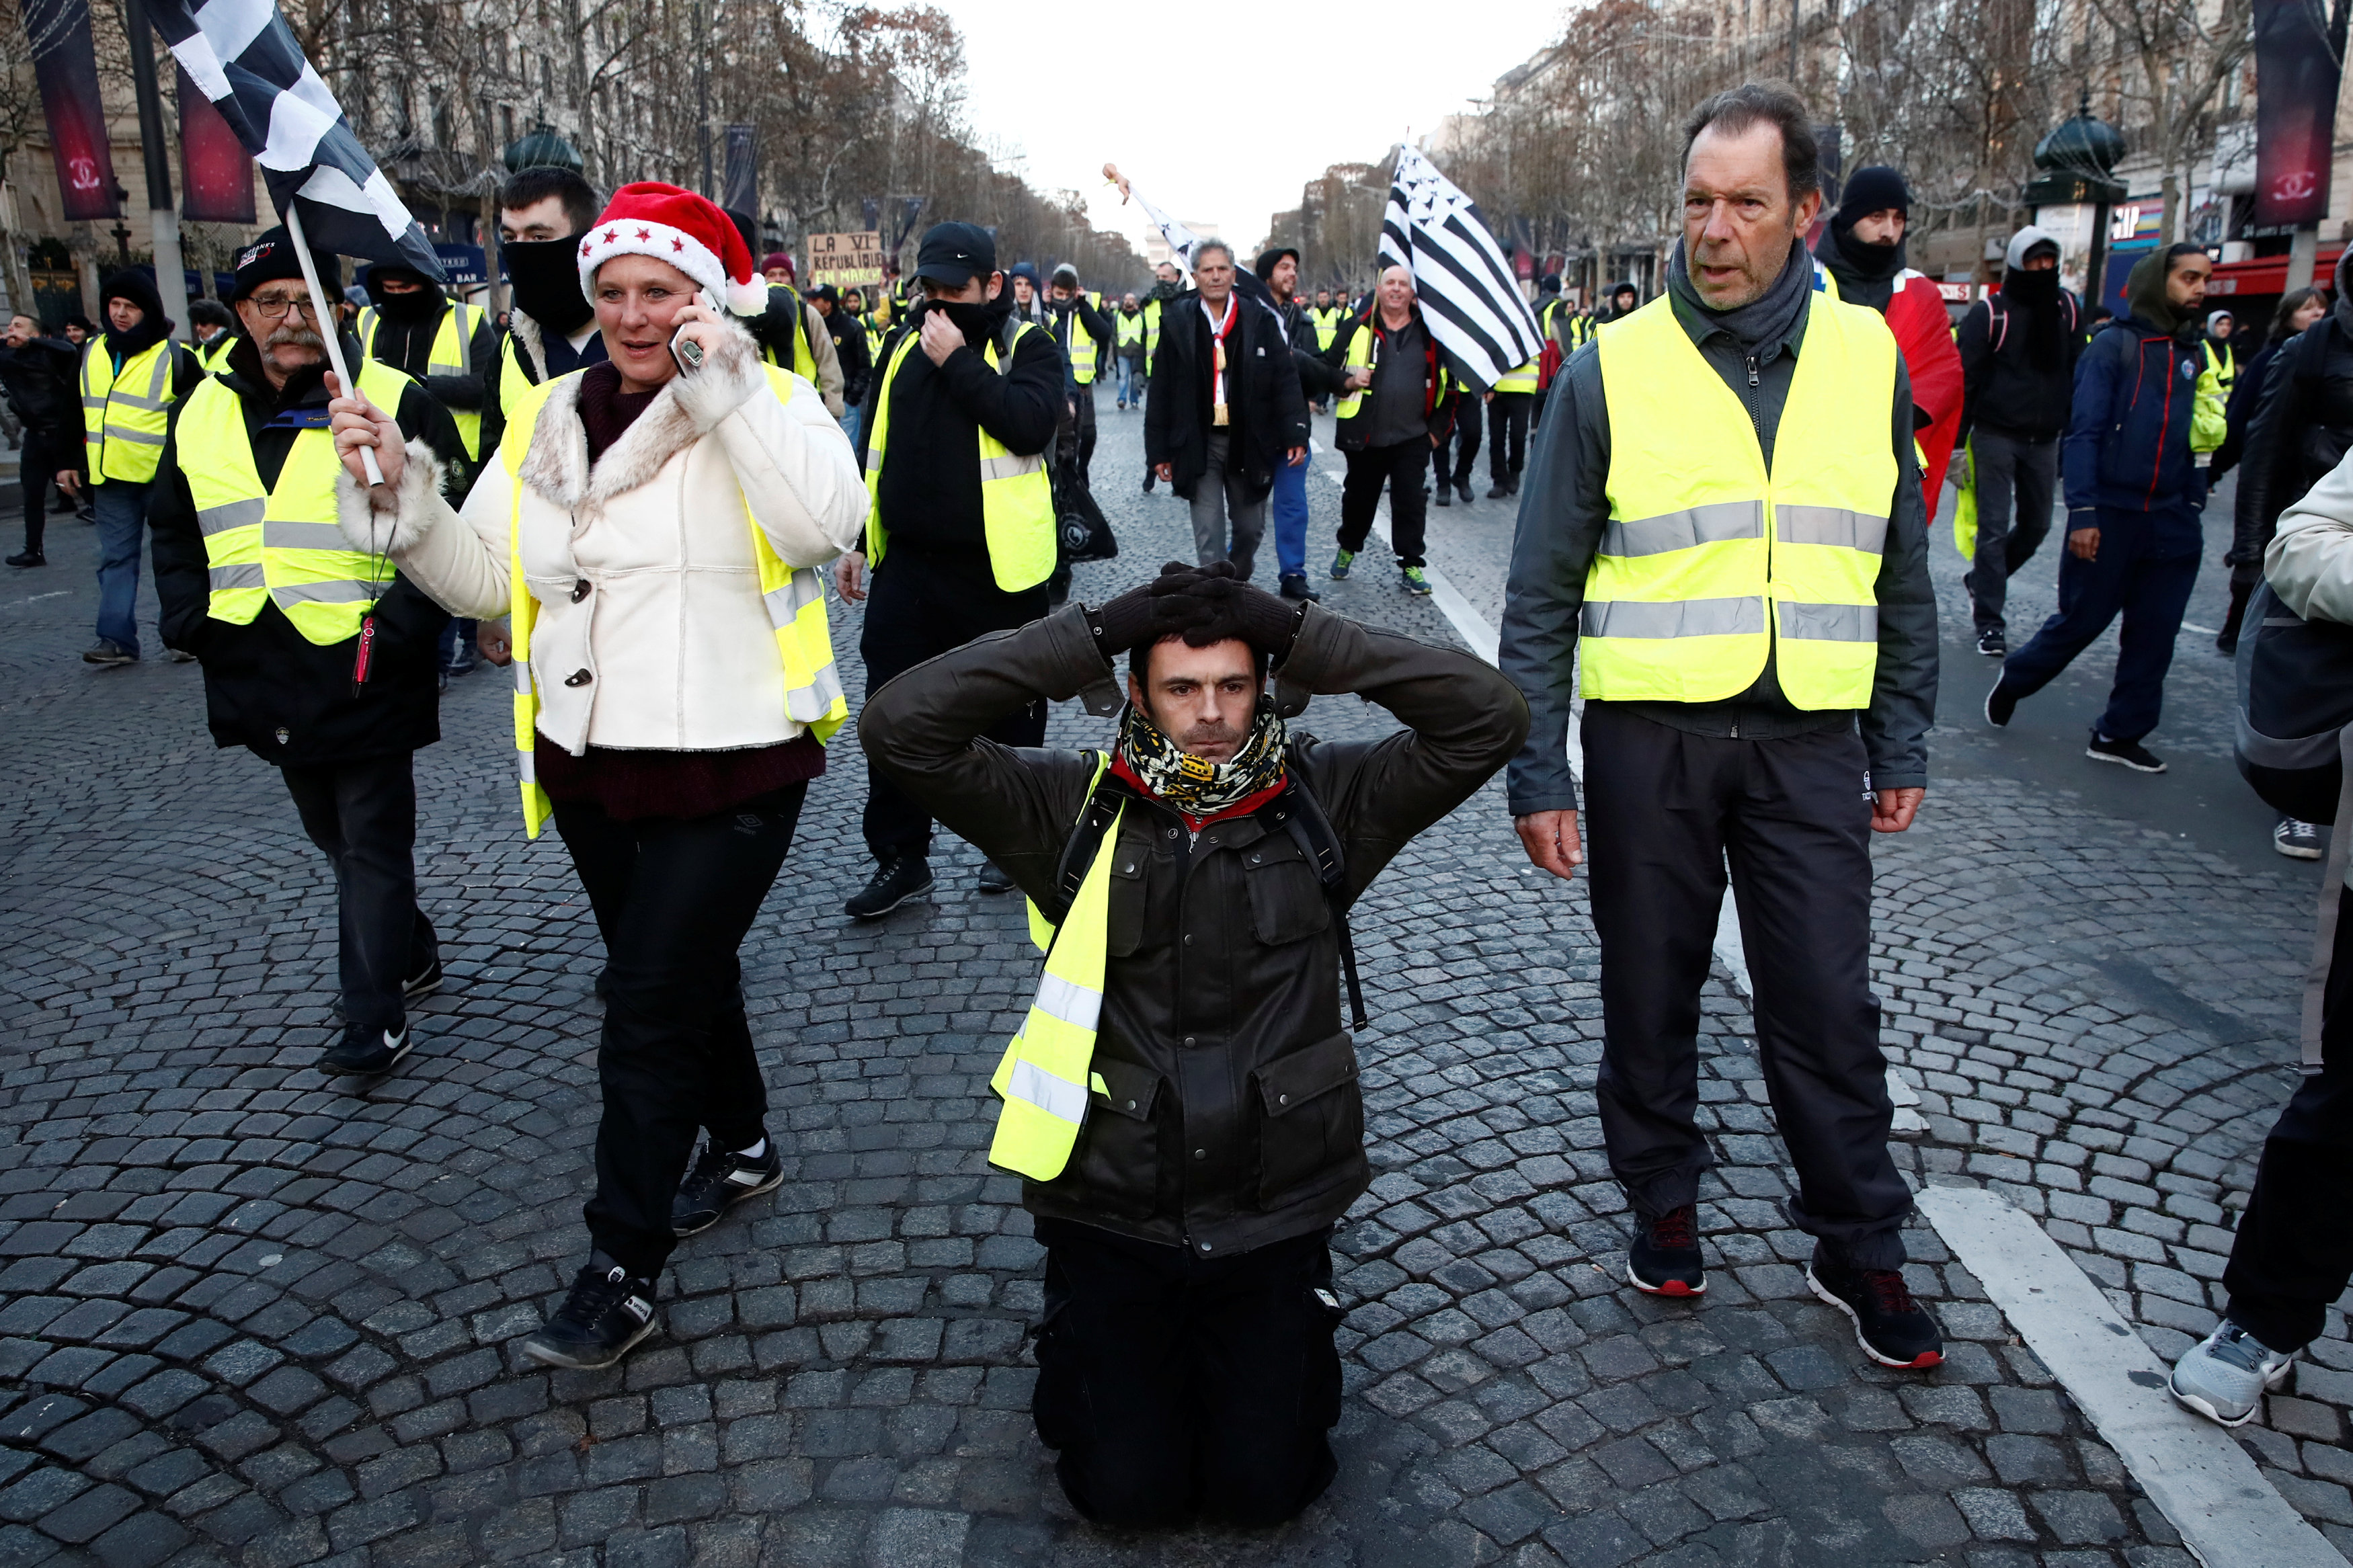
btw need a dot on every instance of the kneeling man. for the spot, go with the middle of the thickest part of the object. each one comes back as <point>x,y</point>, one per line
<point>1182,1098</point>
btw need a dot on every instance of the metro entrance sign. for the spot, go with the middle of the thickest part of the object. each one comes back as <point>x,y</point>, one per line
<point>846,261</point>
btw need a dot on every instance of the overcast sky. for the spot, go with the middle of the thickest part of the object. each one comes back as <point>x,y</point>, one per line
<point>1226,125</point>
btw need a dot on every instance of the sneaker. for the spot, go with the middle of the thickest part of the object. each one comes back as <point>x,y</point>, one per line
<point>606,1312</point>
<point>2225,1375</point>
<point>29,558</point>
<point>366,1052</point>
<point>894,882</point>
<point>1993,645</point>
<point>1893,1329</point>
<point>2000,705</point>
<point>1516,484</point>
<point>2298,840</point>
<point>424,983</point>
<point>2126,754</point>
<point>1445,496</point>
<point>1341,560</point>
<point>106,650</point>
<point>1463,489</point>
<point>1294,586</point>
<point>1664,1259</point>
<point>1417,581</point>
<point>719,1180</point>
<point>179,656</point>
<point>994,879</point>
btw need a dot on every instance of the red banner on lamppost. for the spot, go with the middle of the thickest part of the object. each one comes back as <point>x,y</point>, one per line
<point>215,170</point>
<point>2296,72</point>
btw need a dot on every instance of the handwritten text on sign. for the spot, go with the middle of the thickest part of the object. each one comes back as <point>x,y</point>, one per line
<point>846,261</point>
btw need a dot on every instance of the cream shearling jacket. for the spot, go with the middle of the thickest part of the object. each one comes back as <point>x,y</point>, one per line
<point>650,633</point>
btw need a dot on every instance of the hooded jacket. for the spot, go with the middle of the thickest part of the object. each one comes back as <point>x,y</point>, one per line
<point>2127,445</point>
<point>2301,429</point>
<point>2016,382</point>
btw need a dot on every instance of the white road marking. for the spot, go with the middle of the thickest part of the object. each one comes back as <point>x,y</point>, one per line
<point>19,604</point>
<point>2201,631</point>
<point>2229,1516</point>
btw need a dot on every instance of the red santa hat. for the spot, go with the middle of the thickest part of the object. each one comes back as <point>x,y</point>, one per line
<point>650,219</point>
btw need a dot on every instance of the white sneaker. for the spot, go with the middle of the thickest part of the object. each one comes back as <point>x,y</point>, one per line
<point>2225,1375</point>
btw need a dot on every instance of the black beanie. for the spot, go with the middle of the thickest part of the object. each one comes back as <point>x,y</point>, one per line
<point>272,257</point>
<point>1873,188</point>
<point>135,285</point>
<point>1264,265</point>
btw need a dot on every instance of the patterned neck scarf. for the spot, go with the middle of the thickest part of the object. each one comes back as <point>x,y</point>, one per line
<point>1192,784</point>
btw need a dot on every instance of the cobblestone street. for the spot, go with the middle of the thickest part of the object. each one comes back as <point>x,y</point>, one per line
<point>250,1316</point>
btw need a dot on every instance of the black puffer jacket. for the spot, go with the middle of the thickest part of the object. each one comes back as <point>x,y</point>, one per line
<point>1233,1118</point>
<point>1269,413</point>
<point>2302,429</point>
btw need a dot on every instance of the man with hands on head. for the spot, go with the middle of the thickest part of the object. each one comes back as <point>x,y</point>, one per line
<point>1723,540</point>
<point>1182,1098</point>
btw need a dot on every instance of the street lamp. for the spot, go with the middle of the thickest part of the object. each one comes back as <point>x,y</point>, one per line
<point>2076,160</point>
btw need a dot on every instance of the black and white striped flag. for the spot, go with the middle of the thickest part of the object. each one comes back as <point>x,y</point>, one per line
<point>243,56</point>
<point>1460,278</point>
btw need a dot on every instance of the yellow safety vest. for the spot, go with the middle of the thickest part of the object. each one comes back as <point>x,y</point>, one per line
<point>1078,345</point>
<point>1521,378</point>
<point>2209,417</point>
<point>1128,330</point>
<point>1709,565</point>
<point>1045,1076</point>
<point>804,356</point>
<point>1359,355</point>
<point>1017,499</point>
<point>1151,314</point>
<point>452,353</point>
<point>1327,320</point>
<point>125,412</point>
<point>213,356</point>
<point>794,596</point>
<point>281,544</point>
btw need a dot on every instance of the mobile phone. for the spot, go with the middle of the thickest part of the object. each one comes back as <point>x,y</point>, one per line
<point>686,350</point>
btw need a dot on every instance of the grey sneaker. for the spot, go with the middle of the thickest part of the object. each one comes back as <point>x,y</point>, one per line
<point>2225,1375</point>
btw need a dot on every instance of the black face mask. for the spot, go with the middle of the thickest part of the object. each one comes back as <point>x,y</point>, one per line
<point>547,277</point>
<point>971,319</point>
<point>419,305</point>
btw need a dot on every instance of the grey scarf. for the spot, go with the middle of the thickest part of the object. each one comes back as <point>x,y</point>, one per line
<point>1766,319</point>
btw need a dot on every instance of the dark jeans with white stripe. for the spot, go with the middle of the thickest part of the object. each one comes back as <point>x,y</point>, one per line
<point>673,900</point>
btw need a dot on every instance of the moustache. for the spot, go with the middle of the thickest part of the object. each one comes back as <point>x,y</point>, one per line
<point>300,337</point>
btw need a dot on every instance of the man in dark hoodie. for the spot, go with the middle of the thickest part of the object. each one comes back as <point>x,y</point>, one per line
<point>2018,377</point>
<point>131,375</point>
<point>37,373</point>
<point>2135,491</point>
<point>444,346</point>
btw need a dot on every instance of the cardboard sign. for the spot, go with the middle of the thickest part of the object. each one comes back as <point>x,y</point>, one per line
<point>846,261</point>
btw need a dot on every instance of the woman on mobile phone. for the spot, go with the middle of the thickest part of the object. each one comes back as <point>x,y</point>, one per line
<point>654,523</point>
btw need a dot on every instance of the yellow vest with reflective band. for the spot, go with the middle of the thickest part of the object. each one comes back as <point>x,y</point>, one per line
<point>804,356</point>
<point>1709,564</point>
<point>281,544</point>
<point>1151,314</point>
<point>1045,1076</point>
<point>452,353</point>
<point>214,357</point>
<point>124,414</point>
<point>1359,355</point>
<point>1017,499</point>
<point>2209,418</point>
<point>1327,320</point>
<point>1521,378</point>
<point>794,596</point>
<point>1127,329</point>
<point>1078,345</point>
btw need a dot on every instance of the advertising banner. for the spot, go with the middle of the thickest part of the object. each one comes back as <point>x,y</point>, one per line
<point>65,66</point>
<point>2296,110</point>
<point>215,170</point>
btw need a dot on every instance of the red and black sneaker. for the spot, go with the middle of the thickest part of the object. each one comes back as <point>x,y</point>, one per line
<point>1664,1259</point>
<point>1893,1329</point>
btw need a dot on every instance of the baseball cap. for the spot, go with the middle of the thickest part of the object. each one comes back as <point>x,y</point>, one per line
<point>952,253</point>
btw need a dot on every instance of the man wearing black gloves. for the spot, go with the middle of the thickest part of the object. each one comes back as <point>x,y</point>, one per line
<point>960,534</point>
<point>1189,1142</point>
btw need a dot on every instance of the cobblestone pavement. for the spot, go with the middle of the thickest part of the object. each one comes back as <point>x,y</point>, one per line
<point>250,1316</point>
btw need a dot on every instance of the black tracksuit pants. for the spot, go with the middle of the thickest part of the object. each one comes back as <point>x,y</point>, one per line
<point>2293,1253</point>
<point>920,606</point>
<point>1464,440</point>
<point>1177,1386</point>
<point>362,816</point>
<point>673,899</point>
<point>1507,427</point>
<point>1666,809</point>
<point>1401,466</point>
<point>45,452</point>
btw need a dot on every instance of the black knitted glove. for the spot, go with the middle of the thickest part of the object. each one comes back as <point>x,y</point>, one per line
<point>1229,607</point>
<point>1129,618</point>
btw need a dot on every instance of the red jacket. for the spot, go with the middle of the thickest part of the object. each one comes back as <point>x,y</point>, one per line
<point>1924,332</point>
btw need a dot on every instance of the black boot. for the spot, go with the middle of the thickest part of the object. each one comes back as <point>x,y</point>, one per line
<point>894,882</point>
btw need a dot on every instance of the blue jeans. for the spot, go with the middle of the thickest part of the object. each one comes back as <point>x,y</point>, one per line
<point>1289,504</point>
<point>849,419</point>
<point>122,506</point>
<point>2147,566</point>
<point>1131,382</point>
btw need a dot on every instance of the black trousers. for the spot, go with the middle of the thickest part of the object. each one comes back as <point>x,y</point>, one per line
<point>44,453</point>
<point>1464,439</point>
<point>1667,809</point>
<point>2016,480</point>
<point>1177,1386</point>
<point>920,607</point>
<point>362,816</point>
<point>673,899</point>
<point>1401,467</point>
<point>2294,1253</point>
<point>1083,413</point>
<point>1507,425</point>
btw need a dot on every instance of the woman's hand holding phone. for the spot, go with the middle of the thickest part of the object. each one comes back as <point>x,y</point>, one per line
<point>697,335</point>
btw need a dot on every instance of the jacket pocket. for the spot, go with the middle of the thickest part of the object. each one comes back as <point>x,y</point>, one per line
<point>1311,1117</point>
<point>1131,887</point>
<point>1116,1165</point>
<point>1287,903</point>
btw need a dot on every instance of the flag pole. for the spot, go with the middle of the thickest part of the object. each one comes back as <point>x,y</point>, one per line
<point>331,330</point>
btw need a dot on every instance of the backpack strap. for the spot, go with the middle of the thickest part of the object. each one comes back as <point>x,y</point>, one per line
<point>1300,814</point>
<point>1997,322</point>
<point>1095,817</point>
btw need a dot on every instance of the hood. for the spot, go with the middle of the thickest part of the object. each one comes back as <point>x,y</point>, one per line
<point>140,290</point>
<point>2145,297</point>
<point>2013,256</point>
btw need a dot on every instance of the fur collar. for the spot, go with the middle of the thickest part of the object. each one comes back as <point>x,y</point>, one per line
<point>557,467</point>
<point>526,331</point>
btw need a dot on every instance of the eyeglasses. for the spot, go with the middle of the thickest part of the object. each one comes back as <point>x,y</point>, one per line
<point>281,305</point>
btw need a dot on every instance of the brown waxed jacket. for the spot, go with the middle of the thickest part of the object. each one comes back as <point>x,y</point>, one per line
<point>1233,1118</point>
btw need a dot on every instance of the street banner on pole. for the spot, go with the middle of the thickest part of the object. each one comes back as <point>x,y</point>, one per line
<point>65,66</point>
<point>852,261</point>
<point>215,170</point>
<point>739,188</point>
<point>2297,73</point>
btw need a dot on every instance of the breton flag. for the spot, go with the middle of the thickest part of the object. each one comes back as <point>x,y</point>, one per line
<point>242,56</point>
<point>1460,278</point>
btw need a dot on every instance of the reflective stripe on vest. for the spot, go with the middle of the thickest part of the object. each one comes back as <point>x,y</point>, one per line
<point>124,414</point>
<point>1045,1076</point>
<point>1701,540</point>
<point>1079,347</point>
<point>1128,329</point>
<point>452,353</point>
<point>284,544</point>
<point>1522,378</point>
<point>1017,499</point>
<point>1327,320</point>
<point>1151,313</point>
<point>794,597</point>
